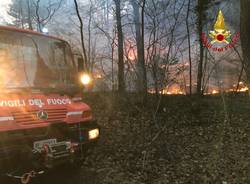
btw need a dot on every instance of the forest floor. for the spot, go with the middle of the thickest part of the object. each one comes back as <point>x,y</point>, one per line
<point>188,140</point>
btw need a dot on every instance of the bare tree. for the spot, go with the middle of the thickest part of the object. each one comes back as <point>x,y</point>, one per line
<point>121,81</point>
<point>82,37</point>
<point>189,48</point>
<point>200,23</point>
<point>201,8</point>
<point>139,28</point>
<point>31,13</point>
<point>111,41</point>
<point>245,38</point>
<point>44,13</point>
<point>29,18</point>
<point>17,10</point>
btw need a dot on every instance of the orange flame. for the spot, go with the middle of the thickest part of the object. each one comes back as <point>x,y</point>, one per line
<point>131,55</point>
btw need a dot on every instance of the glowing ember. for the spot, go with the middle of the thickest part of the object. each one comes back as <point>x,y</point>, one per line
<point>151,91</point>
<point>243,89</point>
<point>131,55</point>
<point>173,90</point>
<point>215,92</point>
<point>98,76</point>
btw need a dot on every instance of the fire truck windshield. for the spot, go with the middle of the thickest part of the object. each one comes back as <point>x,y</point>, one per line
<point>31,61</point>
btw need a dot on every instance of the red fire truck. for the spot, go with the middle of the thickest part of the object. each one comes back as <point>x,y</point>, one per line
<point>43,122</point>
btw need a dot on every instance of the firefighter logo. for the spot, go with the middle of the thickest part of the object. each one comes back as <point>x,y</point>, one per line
<point>220,39</point>
<point>220,34</point>
<point>42,115</point>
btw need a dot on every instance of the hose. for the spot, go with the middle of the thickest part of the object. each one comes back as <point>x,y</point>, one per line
<point>26,177</point>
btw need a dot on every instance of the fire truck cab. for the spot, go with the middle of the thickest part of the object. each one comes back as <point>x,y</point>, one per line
<point>43,122</point>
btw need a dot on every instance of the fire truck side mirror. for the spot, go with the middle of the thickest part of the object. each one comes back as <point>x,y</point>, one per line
<point>80,64</point>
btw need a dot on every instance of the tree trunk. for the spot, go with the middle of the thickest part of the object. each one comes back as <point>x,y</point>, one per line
<point>200,12</point>
<point>121,82</point>
<point>82,38</point>
<point>189,49</point>
<point>140,65</point>
<point>29,15</point>
<point>245,37</point>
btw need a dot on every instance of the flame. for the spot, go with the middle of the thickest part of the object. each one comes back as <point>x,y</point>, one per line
<point>244,89</point>
<point>215,92</point>
<point>176,90</point>
<point>241,85</point>
<point>220,23</point>
<point>173,90</point>
<point>98,76</point>
<point>151,91</point>
<point>131,55</point>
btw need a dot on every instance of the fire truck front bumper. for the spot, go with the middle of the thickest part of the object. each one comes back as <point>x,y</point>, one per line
<point>49,151</point>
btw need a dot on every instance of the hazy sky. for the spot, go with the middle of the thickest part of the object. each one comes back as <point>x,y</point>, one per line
<point>3,10</point>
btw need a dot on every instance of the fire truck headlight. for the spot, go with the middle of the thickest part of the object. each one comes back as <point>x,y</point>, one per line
<point>85,79</point>
<point>93,134</point>
<point>45,30</point>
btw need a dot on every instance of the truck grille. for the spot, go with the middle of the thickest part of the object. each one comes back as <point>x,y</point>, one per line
<point>60,148</point>
<point>30,117</point>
